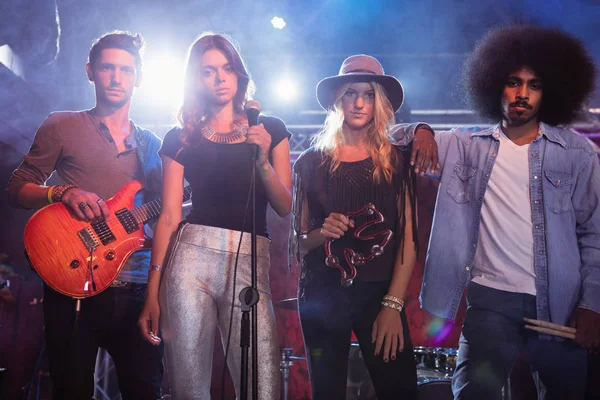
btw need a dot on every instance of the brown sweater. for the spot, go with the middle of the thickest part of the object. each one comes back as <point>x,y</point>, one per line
<point>79,147</point>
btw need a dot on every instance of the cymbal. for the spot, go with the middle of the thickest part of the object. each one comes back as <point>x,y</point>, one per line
<point>288,304</point>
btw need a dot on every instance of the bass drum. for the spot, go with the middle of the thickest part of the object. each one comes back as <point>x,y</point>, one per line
<point>434,385</point>
<point>436,390</point>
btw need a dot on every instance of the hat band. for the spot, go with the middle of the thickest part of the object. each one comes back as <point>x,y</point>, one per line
<point>361,71</point>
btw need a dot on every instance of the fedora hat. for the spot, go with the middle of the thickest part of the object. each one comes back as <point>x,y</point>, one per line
<point>360,68</point>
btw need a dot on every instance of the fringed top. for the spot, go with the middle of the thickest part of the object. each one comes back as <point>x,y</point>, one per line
<point>317,192</point>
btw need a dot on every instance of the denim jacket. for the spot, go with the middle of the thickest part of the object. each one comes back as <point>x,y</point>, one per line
<point>564,177</point>
<point>136,268</point>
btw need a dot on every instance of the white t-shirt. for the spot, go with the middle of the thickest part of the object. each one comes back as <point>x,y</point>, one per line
<point>504,255</point>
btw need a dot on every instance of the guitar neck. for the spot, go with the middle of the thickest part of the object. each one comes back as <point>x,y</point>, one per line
<point>146,212</point>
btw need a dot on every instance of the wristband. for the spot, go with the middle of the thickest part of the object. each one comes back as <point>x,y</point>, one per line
<point>49,194</point>
<point>59,191</point>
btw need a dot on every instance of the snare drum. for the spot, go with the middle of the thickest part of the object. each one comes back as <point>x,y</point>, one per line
<point>426,375</point>
<point>435,366</point>
<point>451,356</point>
<point>436,358</point>
<point>424,357</point>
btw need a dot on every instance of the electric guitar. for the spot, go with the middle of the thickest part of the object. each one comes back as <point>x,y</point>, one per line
<point>81,258</point>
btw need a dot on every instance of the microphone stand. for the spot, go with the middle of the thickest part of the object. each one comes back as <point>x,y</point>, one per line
<point>249,298</point>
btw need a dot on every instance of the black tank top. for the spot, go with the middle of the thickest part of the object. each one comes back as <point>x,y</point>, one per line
<point>219,175</point>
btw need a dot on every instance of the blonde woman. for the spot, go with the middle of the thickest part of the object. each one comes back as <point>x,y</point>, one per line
<point>352,164</point>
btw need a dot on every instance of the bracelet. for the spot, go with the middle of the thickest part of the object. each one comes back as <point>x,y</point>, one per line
<point>49,194</point>
<point>59,191</point>
<point>156,268</point>
<point>393,299</point>
<point>393,306</point>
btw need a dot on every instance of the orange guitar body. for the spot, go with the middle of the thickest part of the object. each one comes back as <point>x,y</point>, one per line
<point>55,242</point>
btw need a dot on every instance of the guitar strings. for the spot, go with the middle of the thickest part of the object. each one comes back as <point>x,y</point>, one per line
<point>142,210</point>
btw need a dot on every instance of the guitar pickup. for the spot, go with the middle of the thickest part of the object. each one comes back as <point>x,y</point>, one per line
<point>127,220</point>
<point>103,231</point>
<point>88,239</point>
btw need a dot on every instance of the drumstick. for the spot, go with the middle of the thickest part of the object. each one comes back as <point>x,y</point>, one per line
<point>549,331</point>
<point>550,325</point>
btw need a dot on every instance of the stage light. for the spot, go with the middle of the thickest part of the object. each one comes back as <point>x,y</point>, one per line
<point>286,89</point>
<point>162,83</point>
<point>278,22</point>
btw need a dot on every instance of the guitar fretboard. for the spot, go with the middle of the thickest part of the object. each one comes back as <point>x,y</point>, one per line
<point>152,209</point>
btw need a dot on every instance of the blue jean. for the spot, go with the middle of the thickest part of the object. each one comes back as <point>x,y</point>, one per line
<point>492,337</point>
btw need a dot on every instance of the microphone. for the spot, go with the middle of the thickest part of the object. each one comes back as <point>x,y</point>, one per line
<point>252,109</point>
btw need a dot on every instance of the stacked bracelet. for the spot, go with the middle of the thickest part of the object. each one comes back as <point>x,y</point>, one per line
<point>393,299</point>
<point>49,194</point>
<point>156,268</point>
<point>394,306</point>
<point>392,302</point>
<point>59,191</point>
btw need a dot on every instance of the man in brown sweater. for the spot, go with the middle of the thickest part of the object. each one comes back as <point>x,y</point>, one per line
<point>95,152</point>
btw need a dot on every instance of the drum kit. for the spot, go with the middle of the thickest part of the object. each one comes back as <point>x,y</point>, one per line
<point>435,367</point>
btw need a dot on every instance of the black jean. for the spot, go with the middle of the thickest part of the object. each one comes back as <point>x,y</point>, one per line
<point>107,320</point>
<point>328,314</point>
<point>492,337</point>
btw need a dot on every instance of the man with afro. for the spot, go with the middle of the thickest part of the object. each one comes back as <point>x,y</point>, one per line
<point>517,218</point>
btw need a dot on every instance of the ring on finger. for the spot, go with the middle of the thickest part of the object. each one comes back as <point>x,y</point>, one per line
<point>83,205</point>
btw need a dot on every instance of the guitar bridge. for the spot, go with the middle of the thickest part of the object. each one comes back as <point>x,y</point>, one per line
<point>88,239</point>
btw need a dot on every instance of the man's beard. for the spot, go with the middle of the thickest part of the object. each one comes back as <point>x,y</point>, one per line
<point>520,119</point>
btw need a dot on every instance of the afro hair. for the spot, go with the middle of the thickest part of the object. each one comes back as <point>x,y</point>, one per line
<point>560,60</point>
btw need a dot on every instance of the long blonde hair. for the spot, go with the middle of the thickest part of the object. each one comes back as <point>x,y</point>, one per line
<point>331,136</point>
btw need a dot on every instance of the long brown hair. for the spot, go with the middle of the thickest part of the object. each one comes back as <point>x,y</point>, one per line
<point>331,136</point>
<point>193,108</point>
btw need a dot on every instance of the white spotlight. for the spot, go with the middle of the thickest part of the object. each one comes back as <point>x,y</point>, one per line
<point>163,80</point>
<point>278,22</point>
<point>286,90</point>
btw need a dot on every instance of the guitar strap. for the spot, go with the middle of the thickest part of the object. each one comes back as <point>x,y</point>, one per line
<point>142,145</point>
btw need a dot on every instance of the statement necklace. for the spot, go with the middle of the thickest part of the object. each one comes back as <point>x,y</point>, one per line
<point>238,132</point>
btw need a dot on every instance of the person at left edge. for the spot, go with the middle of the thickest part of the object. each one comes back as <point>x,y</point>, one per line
<point>95,152</point>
